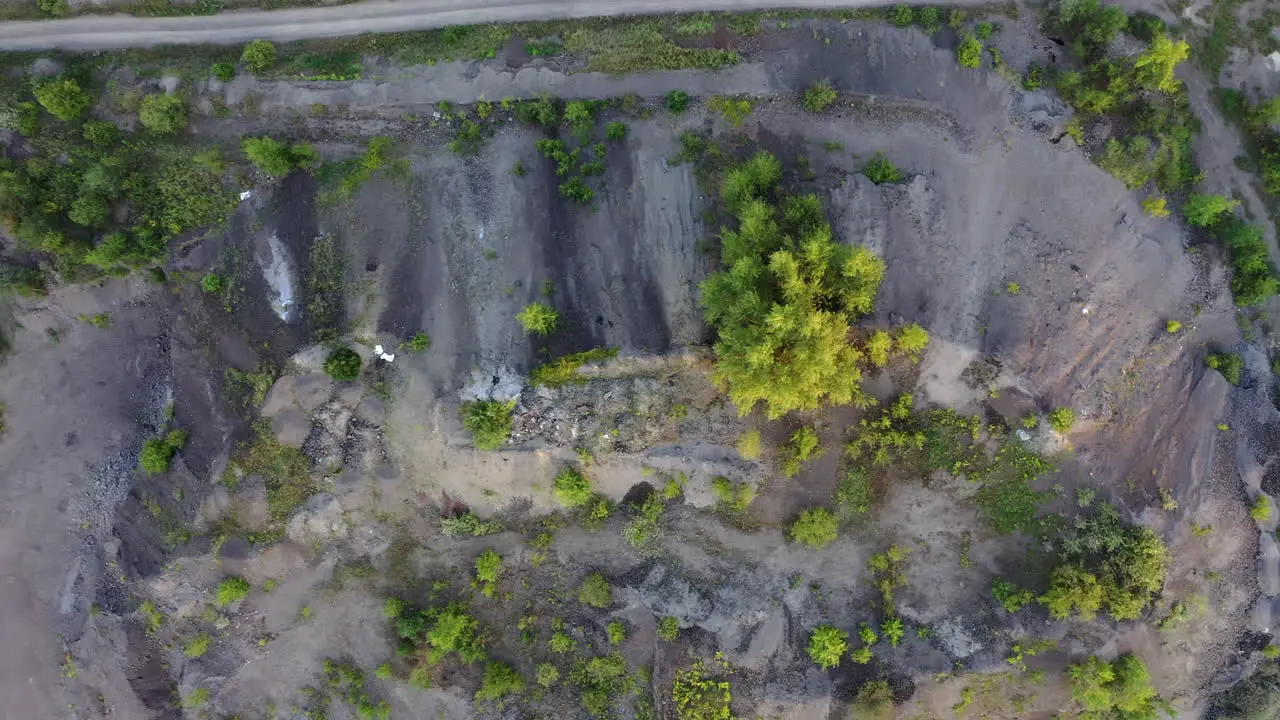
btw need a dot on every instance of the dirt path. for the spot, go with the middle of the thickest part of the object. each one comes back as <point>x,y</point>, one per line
<point>101,33</point>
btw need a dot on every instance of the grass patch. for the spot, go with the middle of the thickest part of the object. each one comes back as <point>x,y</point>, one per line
<point>564,370</point>
<point>285,471</point>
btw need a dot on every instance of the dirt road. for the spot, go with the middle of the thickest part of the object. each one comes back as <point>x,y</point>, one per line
<point>104,33</point>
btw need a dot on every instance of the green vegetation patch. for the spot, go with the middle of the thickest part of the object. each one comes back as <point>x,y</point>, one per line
<point>157,453</point>
<point>285,471</point>
<point>564,370</point>
<point>1106,563</point>
<point>489,422</point>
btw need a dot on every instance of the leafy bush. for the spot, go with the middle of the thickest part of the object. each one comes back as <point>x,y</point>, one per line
<point>564,370</point>
<point>538,318</point>
<point>224,71</point>
<point>560,643</point>
<point>197,646</point>
<point>343,364</point>
<point>489,422</point>
<point>1229,364</point>
<point>500,680</point>
<point>826,646</point>
<point>1205,210</point>
<point>819,97</point>
<point>733,110</point>
<point>572,489</point>
<point>698,697</point>
<point>452,631</point>
<point>874,701</point>
<point>616,631</point>
<point>902,16</point>
<point>163,114</point>
<point>547,675</point>
<point>1261,508</point>
<point>1253,277</point>
<point>64,99</point>
<point>732,497</point>
<point>157,453</point>
<point>929,19</point>
<point>799,448</point>
<point>595,591</point>
<point>815,527</point>
<point>488,571</point>
<point>880,170</point>
<point>677,101</point>
<point>912,340</point>
<point>212,283</point>
<point>615,131</point>
<point>892,630</point>
<point>1011,597</point>
<point>749,445</point>
<point>258,56</point>
<point>230,590</point>
<point>969,52</point>
<point>1061,419</point>
<point>669,628</point>
<point>468,524</point>
<point>784,300</point>
<point>983,30</point>
<point>1120,689</point>
<point>1155,206</point>
<point>276,158</point>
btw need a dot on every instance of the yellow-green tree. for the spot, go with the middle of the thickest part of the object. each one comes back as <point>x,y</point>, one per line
<point>784,299</point>
<point>1154,68</point>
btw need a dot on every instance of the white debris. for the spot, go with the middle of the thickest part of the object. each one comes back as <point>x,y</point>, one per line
<point>1084,310</point>
<point>1023,435</point>
<point>389,357</point>
<point>246,195</point>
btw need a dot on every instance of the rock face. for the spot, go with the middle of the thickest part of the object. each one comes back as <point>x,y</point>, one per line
<point>319,520</point>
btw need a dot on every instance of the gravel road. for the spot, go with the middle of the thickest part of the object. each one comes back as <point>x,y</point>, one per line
<point>99,32</point>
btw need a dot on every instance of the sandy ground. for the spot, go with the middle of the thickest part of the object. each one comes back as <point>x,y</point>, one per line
<point>455,247</point>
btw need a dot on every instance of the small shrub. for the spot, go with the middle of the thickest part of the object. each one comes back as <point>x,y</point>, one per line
<point>1155,206</point>
<point>420,342</point>
<point>595,591</point>
<point>547,675</point>
<point>258,56</point>
<point>572,489</point>
<point>892,630</point>
<point>224,71</point>
<point>698,697</point>
<point>616,631</point>
<point>983,30</point>
<point>800,447</point>
<point>560,643</point>
<point>732,497</point>
<point>816,528</point>
<point>749,445</point>
<point>163,114</point>
<point>677,101</point>
<point>733,110</point>
<point>1172,326</point>
<point>880,170</point>
<point>1271,652</point>
<point>902,16</point>
<point>819,97</point>
<point>343,365</point>
<point>212,283</point>
<point>500,680</point>
<point>1121,688</point>
<point>1011,597</point>
<point>913,339</point>
<point>157,453</point>
<point>230,590</point>
<point>929,19</point>
<point>538,318</point>
<point>669,628</point>
<point>489,422</point>
<point>1231,366</point>
<point>615,131</point>
<point>488,571</point>
<point>827,645</point>
<point>854,495</point>
<point>1061,419</point>
<point>874,701</point>
<point>1261,508</point>
<point>468,524</point>
<point>197,646</point>
<point>969,53</point>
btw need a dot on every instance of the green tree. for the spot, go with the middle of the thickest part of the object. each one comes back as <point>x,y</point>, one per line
<point>1204,210</point>
<point>500,680</point>
<point>827,645</point>
<point>343,364</point>
<point>489,422</point>
<point>1154,68</point>
<point>1120,689</point>
<point>488,571</point>
<point>879,170</point>
<point>969,52</point>
<point>783,303</point>
<point>1073,589</point>
<point>163,114</point>
<point>1061,419</point>
<point>64,99</point>
<point>815,527</point>
<point>258,56</point>
<point>538,318</point>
